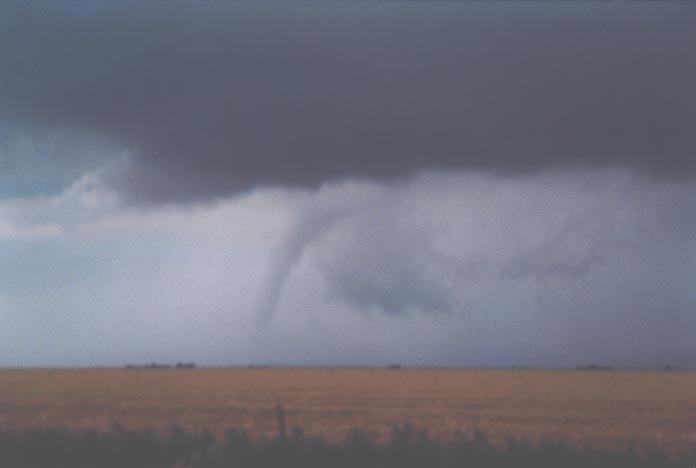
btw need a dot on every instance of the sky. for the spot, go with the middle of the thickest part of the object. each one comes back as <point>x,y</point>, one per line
<point>431,183</point>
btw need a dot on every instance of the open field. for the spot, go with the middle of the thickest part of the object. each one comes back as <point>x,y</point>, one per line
<point>612,409</point>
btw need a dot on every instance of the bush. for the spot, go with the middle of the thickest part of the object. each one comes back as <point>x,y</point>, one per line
<point>408,448</point>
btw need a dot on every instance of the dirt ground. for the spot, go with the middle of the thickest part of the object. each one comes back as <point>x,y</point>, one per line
<point>616,409</point>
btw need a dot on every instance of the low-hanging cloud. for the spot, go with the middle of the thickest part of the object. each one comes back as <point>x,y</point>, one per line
<point>425,246</point>
<point>211,99</point>
<point>419,272</point>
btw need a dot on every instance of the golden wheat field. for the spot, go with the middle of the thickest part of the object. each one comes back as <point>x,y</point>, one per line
<point>586,408</point>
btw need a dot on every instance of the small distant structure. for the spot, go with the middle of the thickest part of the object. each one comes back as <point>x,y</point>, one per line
<point>185,365</point>
<point>394,366</point>
<point>593,367</point>
<point>155,365</point>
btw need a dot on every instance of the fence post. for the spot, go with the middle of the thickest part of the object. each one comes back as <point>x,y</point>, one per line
<point>280,418</point>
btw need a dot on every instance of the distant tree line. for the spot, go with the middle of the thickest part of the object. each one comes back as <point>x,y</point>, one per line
<point>155,365</point>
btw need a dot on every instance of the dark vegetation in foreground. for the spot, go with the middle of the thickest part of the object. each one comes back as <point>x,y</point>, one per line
<point>408,447</point>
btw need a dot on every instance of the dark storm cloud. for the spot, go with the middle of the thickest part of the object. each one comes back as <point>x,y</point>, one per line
<point>216,98</point>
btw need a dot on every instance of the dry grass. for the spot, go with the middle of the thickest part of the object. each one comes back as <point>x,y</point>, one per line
<point>611,409</point>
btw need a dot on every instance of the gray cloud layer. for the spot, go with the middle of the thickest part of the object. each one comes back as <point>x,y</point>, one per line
<point>216,98</point>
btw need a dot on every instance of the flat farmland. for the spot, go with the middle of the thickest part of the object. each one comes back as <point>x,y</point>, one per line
<point>610,409</point>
